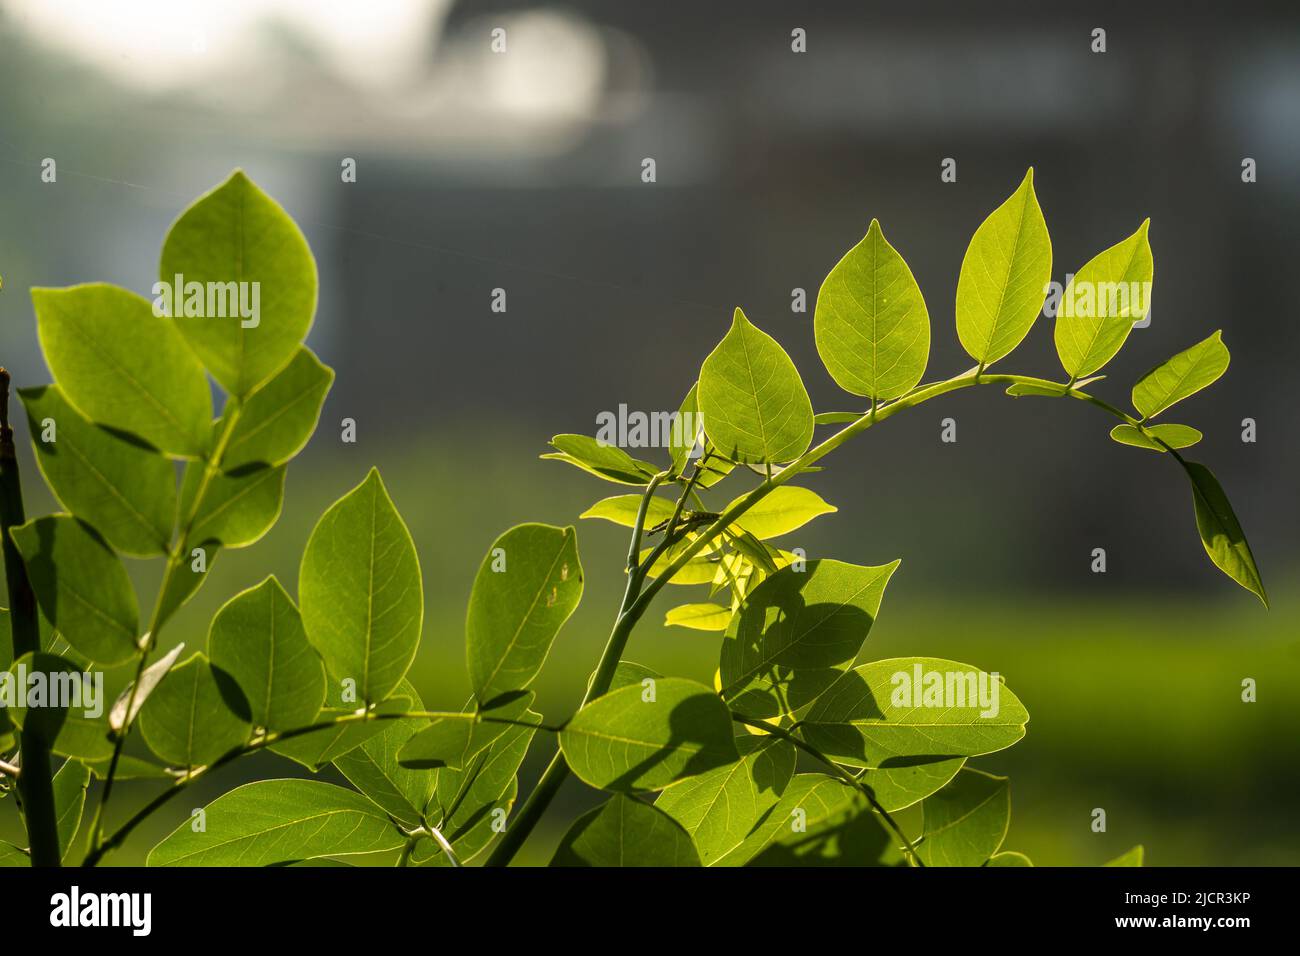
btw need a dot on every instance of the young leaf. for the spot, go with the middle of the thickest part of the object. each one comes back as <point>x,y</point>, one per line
<point>699,617</point>
<point>1133,857</point>
<point>152,677</point>
<point>871,324</point>
<point>687,436</point>
<point>719,808</point>
<point>640,738</point>
<point>622,510</point>
<point>753,402</point>
<point>195,716</point>
<point>124,367</point>
<point>237,241</point>
<point>236,509</point>
<point>1183,375</point>
<point>784,509</point>
<point>126,492</point>
<point>319,747</point>
<point>1220,531</point>
<point>276,821</point>
<point>1004,277</point>
<point>11,856</point>
<point>1101,304</point>
<point>626,832</point>
<point>604,461</point>
<point>69,800</point>
<point>258,639</point>
<point>1175,436</point>
<point>360,591</point>
<point>797,633</point>
<point>374,770</point>
<point>81,586</point>
<point>526,588</point>
<point>888,713</point>
<point>966,821</point>
<point>276,421</point>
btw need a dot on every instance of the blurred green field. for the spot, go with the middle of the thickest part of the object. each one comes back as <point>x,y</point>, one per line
<point>1135,704</point>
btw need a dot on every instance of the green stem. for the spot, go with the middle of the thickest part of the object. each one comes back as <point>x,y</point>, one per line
<point>36,782</point>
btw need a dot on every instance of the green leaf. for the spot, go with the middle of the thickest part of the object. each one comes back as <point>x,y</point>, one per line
<point>966,821</point>
<point>1102,302</point>
<point>1133,857</point>
<point>1183,375</point>
<point>124,367</point>
<point>195,716</point>
<point>1220,531</point>
<point>188,577</point>
<point>628,673</point>
<point>1175,436</point>
<point>126,492</point>
<point>699,617</point>
<point>1009,858</point>
<point>700,569</point>
<point>150,679</point>
<point>808,799</point>
<point>871,323</point>
<point>527,586</point>
<point>640,738</point>
<point>754,404</point>
<point>236,509</point>
<point>275,821</point>
<point>258,639</point>
<point>622,510</point>
<point>69,800</point>
<point>882,715</point>
<point>798,632</point>
<point>604,461</point>
<point>784,509</point>
<point>624,831</point>
<point>455,741</point>
<point>11,856</point>
<point>1004,277</point>
<point>687,435</point>
<point>719,808</point>
<point>360,590</point>
<point>374,770</point>
<point>908,780</point>
<point>470,805</point>
<point>276,421</point>
<point>319,747</point>
<point>81,586</point>
<point>238,234</point>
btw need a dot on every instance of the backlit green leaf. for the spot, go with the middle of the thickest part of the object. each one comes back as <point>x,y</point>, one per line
<point>319,747</point>
<point>195,716</point>
<point>797,633</point>
<point>624,831</point>
<point>1175,436</point>
<point>454,741</point>
<point>1185,374</point>
<point>1101,304</point>
<point>361,596</point>
<point>888,713</point>
<point>11,856</point>
<point>782,510</point>
<point>258,639</point>
<point>754,404</point>
<point>276,421</point>
<point>640,738</point>
<point>622,510</point>
<point>1004,277</point>
<point>276,821</point>
<point>130,702</point>
<point>719,808</point>
<point>374,770</point>
<point>125,491</point>
<point>1220,531</point>
<point>231,237</point>
<point>871,323</point>
<point>808,799</point>
<point>905,781</point>
<point>81,586</point>
<point>236,509</point>
<point>124,367</point>
<point>966,821</point>
<point>69,800</point>
<point>604,461</point>
<point>699,617</point>
<point>526,588</point>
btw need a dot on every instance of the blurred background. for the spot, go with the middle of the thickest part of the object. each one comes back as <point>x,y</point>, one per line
<point>521,170</point>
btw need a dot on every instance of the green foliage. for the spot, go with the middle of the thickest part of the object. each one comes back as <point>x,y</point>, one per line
<point>800,755</point>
